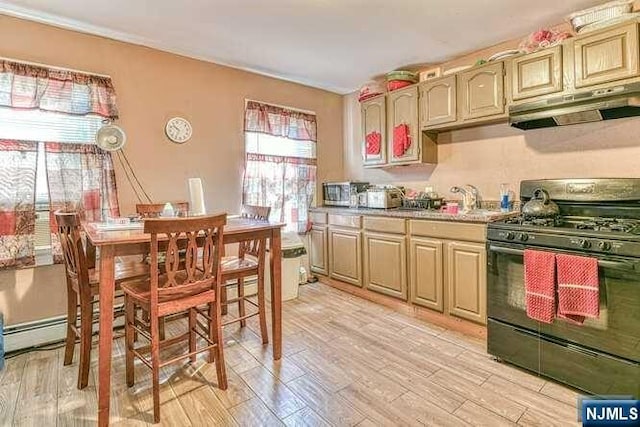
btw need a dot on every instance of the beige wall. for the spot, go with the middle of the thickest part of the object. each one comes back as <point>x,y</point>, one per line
<point>489,155</point>
<point>153,86</point>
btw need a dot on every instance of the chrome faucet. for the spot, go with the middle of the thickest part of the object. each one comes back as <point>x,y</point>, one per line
<point>470,197</point>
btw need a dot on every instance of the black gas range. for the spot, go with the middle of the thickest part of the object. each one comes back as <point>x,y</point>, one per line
<point>598,218</point>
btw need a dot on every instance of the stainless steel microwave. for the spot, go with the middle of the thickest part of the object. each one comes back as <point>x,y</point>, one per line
<point>338,193</point>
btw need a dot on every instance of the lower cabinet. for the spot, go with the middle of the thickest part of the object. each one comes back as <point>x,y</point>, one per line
<point>318,249</point>
<point>385,264</point>
<point>425,272</point>
<point>345,255</point>
<point>466,280</point>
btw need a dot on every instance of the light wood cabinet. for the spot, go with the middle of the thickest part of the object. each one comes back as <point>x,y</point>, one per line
<point>536,74</point>
<point>466,280</point>
<point>425,272</point>
<point>437,102</point>
<point>374,118</point>
<point>318,249</point>
<point>481,91</point>
<point>606,56</point>
<point>345,255</point>
<point>402,110</point>
<point>385,264</point>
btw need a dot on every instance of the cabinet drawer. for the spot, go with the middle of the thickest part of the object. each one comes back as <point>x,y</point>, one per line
<point>385,225</point>
<point>353,221</point>
<point>449,230</point>
<point>318,217</point>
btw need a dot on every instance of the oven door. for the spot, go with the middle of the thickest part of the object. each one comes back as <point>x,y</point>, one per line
<point>617,330</point>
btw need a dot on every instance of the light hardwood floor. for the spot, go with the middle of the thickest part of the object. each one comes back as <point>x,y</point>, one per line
<point>347,361</point>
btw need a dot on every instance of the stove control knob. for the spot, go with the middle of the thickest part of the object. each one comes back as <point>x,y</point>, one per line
<point>604,246</point>
<point>510,235</point>
<point>585,244</point>
<point>523,237</point>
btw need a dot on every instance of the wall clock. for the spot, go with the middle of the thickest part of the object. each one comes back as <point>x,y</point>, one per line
<point>178,130</point>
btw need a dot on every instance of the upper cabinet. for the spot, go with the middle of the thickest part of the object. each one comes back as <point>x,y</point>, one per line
<point>537,74</point>
<point>481,91</point>
<point>403,134</point>
<point>391,133</point>
<point>606,56</point>
<point>374,148</point>
<point>438,101</point>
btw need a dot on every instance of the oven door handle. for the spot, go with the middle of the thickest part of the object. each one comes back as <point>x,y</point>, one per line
<point>614,265</point>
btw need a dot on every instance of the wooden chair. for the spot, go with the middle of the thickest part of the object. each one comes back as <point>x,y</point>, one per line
<point>153,210</point>
<point>178,287</point>
<point>82,289</point>
<point>236,269</point>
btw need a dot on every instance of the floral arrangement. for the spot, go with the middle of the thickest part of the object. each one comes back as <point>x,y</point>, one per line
<point>542,39</point>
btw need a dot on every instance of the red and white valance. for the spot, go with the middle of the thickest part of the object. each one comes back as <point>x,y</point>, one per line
<point>27,86</point>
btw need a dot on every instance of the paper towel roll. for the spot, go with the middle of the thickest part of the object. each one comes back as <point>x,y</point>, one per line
<point>196,196</point>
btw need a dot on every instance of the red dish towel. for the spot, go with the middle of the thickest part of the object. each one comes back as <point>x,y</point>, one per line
<point>401,139</point>
<point>578,287</point>
<point>540,284</point>
<point>373,143</point>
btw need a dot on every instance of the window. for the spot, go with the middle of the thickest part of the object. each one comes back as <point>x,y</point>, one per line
<point>41,127</point>
<point>280,168</point>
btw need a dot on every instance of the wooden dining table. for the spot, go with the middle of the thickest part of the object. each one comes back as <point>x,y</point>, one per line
<point>114,243</point>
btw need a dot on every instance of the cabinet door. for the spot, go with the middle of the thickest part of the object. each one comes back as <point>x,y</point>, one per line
<point>402,113</point>
<point>374,133</point>
<point>607,56</point>
<point>536,74</point>
<point>467,280</point>
<point>481,91</point>
<point>425,272</point>
<point>438,102</point>
<point>318,249</point>
<point>385,264</point>
<point>345,262</point>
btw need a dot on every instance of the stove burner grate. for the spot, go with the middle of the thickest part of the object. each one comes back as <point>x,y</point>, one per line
<point>538,222</point>
<point>618,225</point>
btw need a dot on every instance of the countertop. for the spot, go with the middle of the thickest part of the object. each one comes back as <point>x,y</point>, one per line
<point>480,215</point>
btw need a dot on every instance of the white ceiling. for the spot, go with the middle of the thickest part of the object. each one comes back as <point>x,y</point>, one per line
<point>330,44</point>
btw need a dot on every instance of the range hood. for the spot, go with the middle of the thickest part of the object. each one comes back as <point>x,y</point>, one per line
<point>593,106</point>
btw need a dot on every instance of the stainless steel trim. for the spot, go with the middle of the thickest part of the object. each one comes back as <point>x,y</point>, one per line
<point>616,265</point>
<point>570,109</point>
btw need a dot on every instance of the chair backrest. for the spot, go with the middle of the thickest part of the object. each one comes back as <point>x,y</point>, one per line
<point>153,210</point>
<point>73,251</point>
<point>198,268</point>
<point>254,247</point>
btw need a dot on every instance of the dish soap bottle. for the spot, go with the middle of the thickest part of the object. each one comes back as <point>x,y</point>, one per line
<point>504,198</point>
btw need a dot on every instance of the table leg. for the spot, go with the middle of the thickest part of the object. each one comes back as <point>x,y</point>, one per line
<point>107,289</point>
<point>276,292</point>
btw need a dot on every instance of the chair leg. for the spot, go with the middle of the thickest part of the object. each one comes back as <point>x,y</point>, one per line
<point>223,300</point>
<point>161,332</point>
<point>215,335</point>
<point>155,364</point>
<point>72,321</point>
<point>241,309</point>
<point>262,314</point>
<point>85,340</point>
<point>192,333</point>
<point>130,338</point>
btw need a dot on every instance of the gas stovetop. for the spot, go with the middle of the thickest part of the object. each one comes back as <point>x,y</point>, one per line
<point>596,215</point>
<point>621,226</point>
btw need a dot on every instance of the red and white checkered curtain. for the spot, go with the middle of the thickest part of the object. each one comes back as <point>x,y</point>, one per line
<point>19,160</point>
<point>32,87</point>
<point>81,178</point>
